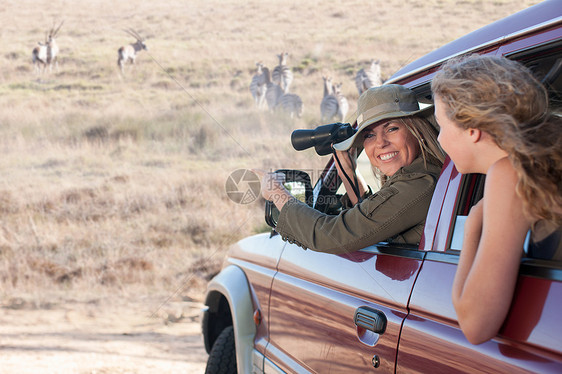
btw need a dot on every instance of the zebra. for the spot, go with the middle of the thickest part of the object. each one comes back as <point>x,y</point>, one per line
<point>365,79</point>
<point>329,105</point>
<point>282,74</point>
<point>291,104</point>
<point>343,105</point>
<point>328,88</point>
<point>258,86</point>
<point>273,91</point>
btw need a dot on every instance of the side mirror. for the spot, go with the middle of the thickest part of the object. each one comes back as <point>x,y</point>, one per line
<point>298,184</point>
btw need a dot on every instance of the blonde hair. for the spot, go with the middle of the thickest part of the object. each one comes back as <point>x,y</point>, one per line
<point>425,134</point>
<point>502,98</point>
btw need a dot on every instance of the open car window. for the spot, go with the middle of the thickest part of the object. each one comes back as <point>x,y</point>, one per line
<point>366,171</point>
<point>546,64</point>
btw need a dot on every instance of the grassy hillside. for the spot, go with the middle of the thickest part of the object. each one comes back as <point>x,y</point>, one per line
<point>114,184</point>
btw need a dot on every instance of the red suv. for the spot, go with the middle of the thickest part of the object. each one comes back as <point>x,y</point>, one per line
<point>277,308</point>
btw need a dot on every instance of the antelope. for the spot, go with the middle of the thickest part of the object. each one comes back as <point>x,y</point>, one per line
<point>129,52</point>
<point>52,47</point>
<point>329,105</point>
<point>258,86</point>
<point>282,74</point>
<point>39,56</point>
<point>46,53</point>
<point>365,79</point>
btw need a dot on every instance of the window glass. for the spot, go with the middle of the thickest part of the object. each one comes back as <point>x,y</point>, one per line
<point>458,233</point>
<point>364,167</point>
<point>471,192</point>
<point>546,64</point>
<point>366,171</point>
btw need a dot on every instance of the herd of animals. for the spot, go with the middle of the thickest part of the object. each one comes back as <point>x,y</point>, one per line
<point>45,54</point>
<point>271,89</point>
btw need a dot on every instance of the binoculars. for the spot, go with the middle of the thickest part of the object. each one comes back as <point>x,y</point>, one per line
<point>322,137</point>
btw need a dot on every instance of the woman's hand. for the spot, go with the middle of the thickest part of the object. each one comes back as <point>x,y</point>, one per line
<point>272,188</point>
<point>348,160</point>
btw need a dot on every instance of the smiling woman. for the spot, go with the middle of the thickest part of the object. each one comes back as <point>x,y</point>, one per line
<point>390,146</point>
<point>402,149</point>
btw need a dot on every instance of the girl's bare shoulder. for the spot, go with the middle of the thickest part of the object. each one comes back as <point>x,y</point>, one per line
<point>500,187</point>
<point>502,173</point>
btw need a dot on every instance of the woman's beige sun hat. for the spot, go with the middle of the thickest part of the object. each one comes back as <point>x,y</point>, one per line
<point>383,102</point>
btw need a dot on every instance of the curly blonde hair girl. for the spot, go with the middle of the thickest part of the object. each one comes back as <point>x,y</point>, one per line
<point>504,99</point>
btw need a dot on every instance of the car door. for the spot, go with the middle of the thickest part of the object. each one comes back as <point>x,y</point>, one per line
<point>530,340</point>
<point>324,308</point>
<point>339,313</point>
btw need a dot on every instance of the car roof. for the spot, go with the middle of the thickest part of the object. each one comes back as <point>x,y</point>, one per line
<point>539,16</point>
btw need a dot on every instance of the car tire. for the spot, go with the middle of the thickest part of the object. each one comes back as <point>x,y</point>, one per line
<point>222,358</point>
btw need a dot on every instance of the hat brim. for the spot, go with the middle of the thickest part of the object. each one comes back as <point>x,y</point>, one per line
<point>348,143</point>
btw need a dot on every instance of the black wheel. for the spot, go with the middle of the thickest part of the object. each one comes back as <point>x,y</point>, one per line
<point>222,359</point>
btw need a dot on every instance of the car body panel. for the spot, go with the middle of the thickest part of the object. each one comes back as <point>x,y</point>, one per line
<point>258,256</point>
<point>443,230</point>
<point>323,296</point>
<point>438,207</point>
<point>231,283</point>
<point>519,348</point>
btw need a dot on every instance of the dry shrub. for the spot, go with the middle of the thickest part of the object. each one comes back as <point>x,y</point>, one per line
<point>125,134</point>
<point>198,232</point>
<point>206,268</point>
<point>56,272</point>
<point>96,134</point>
<point>77,195</point>
<point>8,204</point>
<point>125,271</point>
<point>165,85</point>
<point>120,179</point>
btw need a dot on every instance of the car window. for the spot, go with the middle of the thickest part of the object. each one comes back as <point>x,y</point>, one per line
<point>366,171</point>
<point>546,63</point>
<point>472,190</point>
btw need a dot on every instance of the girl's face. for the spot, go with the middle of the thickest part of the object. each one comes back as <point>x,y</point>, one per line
<point>454,140</point>
<point>390,146</point>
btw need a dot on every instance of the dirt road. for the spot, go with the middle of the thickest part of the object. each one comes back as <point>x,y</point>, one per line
<point>91,338</point>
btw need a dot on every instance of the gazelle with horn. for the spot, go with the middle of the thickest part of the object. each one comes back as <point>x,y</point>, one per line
<point>129,52</point>
<point>39,56</point>
<point>46,53</point>
<point>52,47</point>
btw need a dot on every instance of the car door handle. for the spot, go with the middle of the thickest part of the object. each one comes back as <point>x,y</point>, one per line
<point>370,319</point>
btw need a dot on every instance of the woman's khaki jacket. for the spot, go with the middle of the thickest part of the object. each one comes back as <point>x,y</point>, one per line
<point>396,213</point>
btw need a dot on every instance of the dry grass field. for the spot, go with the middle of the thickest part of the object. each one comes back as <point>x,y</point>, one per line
<point>113,186</point>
